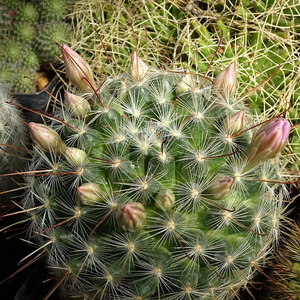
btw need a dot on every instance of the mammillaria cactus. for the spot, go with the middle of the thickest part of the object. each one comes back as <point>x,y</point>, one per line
<point>12,144</point>
<point>142,186</point>
<point>285,270</point>
<point>29,33</point>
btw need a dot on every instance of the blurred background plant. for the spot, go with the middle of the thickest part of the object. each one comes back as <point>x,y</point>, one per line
<point>29,31</point>
<point>284,280</point>
<point>13,142</point>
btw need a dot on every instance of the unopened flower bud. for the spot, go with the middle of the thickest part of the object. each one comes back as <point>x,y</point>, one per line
<point>225,82</point>
<point>131,216</point>
<point>138,69</point>
<point>268,140</point>
<point>79,106</point>
<point>186,83</point>
<point>89,193</point>
<point>220,187</point>
<point>46,138</point>
<point>165,199</point>
<point>235,123</point>
<point>78,70</point>
<point>76,156</point>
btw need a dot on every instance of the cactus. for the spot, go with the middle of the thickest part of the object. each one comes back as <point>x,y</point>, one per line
<point>25,12</point>
<point>55,10</point>
<point>47,34</point>
<point>12,143</point>
<point>154,184</point>
<point>284,275</point>
<point>34,26</point>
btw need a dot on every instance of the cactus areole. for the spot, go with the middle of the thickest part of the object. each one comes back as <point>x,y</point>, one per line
<point>148,192</point>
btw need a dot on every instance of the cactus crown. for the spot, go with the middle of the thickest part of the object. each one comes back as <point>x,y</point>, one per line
<point>145,190</point>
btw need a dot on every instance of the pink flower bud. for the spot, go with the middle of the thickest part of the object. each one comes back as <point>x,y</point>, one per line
<point>186,83</point>
<point>165,199</point>
<point>268,140</point>
<point>78,70</point>
<point>225,82</point>
<point>131,216</point>
<point>220,187</point>
<point>79,106</point>
<point>138,69</point>
<point>235,123</point>
<point>76,156</point>
<point>89,193</point>
<point>46,138</point>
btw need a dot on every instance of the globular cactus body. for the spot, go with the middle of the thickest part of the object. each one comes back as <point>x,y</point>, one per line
<point>143,188</point>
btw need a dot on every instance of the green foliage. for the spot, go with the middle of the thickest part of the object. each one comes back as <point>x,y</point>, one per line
<point>23,32</point>
<point>54,10</point>
<point>31,26</point>
<point>271,42</point>
<point>25,13</point>
<point>22,82</point>
<point>142,189</point>
<point>11,51</point>
<point>30,59</point>
<point>47,33</point>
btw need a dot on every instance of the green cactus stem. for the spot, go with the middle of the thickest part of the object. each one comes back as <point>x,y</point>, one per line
<point>147,194</point>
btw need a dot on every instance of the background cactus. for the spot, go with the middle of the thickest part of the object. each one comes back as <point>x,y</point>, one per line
<point>141,187</point>
<point>285,283</point>
<point>283,275</point>
<point>12,146</point>
<point>29,27</point>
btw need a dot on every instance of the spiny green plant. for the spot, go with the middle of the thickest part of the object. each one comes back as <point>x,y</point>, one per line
<point>285,268</point>
<point>25,29</point>
<point>12,144</point>
<point>154,184</point>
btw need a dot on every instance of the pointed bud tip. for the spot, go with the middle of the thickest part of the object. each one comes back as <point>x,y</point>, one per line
<point>79,106</point>
<point>78,70</point>
<point>186,83</point>
<point>235,123</point>
<point>225,83</point>
<point>131,216</point>
<point>76,156</point>
<point>46,138</point>
<point>268,141</point>
<point>220,187</point>
<point>165,199</point>
<point>138,69</point>
<point>89,193</point>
